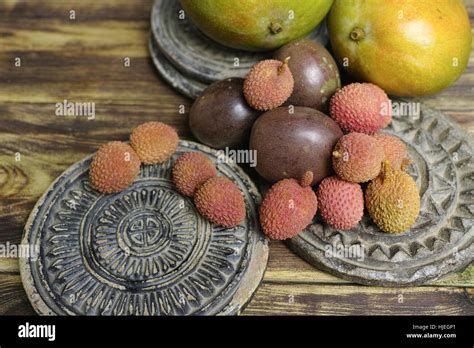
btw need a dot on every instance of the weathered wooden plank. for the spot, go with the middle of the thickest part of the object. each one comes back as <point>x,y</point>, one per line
<point>110,38</point>
<point>112,121</point>
<point>286,268</point>
<point>305,299</point>
<point>85,10</point>
<point>13,300</point>
<point>106,45</point>
<point>282,264</point>
<point>9,266</point>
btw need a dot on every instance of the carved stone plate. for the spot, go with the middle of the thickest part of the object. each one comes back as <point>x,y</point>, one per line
<point>143,251</point>
<point>442,239</point>
<point>185,85</point>
<point>188,60</point>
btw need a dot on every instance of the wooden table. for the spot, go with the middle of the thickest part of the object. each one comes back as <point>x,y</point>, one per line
<point>82,60</point>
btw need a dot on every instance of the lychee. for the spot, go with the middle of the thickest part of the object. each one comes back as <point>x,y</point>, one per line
<point>357,157</point>
<point>361,107</point>
<point>268,84</point>
<point>288,207</point>
<point>392,200</point>
<point>190,170</point>
<point>154,142</point>
<point>340,202</point>
<point>220,200</point>
<point>395,150</point>
<point>114,167</point>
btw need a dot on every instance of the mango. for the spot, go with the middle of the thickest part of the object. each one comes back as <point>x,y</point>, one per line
<point>256,25</point>
<point>407,47</point>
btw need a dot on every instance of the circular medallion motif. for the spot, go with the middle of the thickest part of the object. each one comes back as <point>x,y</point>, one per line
<point>143,234</point>
<point>143,251</point>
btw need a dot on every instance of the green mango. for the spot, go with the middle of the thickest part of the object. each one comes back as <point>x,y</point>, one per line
<point>256,25</point>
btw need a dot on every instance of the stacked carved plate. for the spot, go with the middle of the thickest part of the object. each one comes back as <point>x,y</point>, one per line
<point>188,60</point>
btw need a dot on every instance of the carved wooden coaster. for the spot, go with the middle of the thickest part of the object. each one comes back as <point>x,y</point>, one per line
<point>190,61</point>
<point>143,251</point>
<point>442,239</point>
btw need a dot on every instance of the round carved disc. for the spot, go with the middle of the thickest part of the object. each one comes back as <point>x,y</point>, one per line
<point>442,239</point>
<point>190,61</point>
<point>185,85</point>
<point>143,251</point>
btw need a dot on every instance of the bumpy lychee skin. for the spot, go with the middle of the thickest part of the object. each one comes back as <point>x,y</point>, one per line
<point>340,202</point>
<point>361,107</point>
<point>392,200</point>
<point>357,157</point>
<point>154,142</point>
<point>190,170</point>
<point>395,150</point>
<point>114,167</point>
<point>220,201</point>
<point>268,84</point>
<point>288,207</point>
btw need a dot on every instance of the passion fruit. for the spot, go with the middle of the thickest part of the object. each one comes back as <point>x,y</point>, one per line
<point>315,73</point>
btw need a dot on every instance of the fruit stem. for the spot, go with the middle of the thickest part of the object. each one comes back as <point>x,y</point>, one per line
<point>405,163</point>
<point>336,154</point>
<point>386,168</point>
<point>275,28</point>
<point>282,67</point>
<point>306,179</point>
<point>357,34</point>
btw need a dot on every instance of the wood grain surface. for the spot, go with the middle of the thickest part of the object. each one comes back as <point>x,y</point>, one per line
<point>82,60</point>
